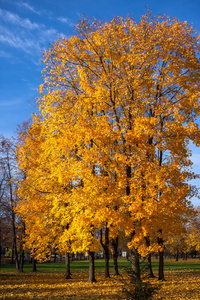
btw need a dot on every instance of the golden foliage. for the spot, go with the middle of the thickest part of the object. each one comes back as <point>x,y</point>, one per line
<point>118,107</point>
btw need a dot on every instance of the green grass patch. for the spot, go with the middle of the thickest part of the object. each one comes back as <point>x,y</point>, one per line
<point>77,266</point>
<point>81,266</point>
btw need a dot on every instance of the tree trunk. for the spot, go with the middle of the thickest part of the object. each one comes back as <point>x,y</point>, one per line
<point>134,258</point>
<point>150,271</point>
<point>177,254</point>
<point>114,243</point>
<point>12,212</point>
<point>16,257</point>
<point>161,259</point>
<point>91,267</point>
<point>13,254</point>
<point>15,241</point>
<point>105,250</point>
<point>21,264</point>
<point>149,265</point>
<point>161,266</point>
<point>67,266</point>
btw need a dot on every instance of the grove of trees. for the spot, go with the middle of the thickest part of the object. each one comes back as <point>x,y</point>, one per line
<point>107,155</point>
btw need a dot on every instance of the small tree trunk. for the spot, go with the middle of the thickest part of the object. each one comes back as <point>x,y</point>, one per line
<point>13,254</point>
<point>91,267</point>
<point>67,266</point>
<point>161,266</point>
<point>107,273</point>
<point>177,254</point>
<point>16,257</point>
<point>161,259</point>
<point>21,268</point>
<point>21,264</point>
<point>114,243</point>
<point>150,271</point>
<point>15,242</point>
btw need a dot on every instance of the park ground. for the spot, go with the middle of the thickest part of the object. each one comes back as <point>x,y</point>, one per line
<point>182,281</point>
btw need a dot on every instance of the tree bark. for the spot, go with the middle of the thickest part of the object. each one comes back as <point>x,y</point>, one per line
<point>150,271</point>
<point>107,273</point>
<point>134,258</point>
<point>13,254</point>
<point>67,266</point>
<point>21,260</point>
<point>114,243</point>
<point>105,250</point>
<point>91,267</point>
<point>161,266</point>
<point>149,265</point>
<point>161,259</point>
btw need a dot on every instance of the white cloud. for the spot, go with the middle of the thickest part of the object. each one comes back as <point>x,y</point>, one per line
<point>28,7</point>
<point>65,21</point>
<point>23,34</point>
<point>22,43</point>
<point>16,20</point>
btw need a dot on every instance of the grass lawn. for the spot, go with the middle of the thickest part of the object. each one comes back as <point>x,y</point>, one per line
<point>183,281</point>
<point>80,266</point>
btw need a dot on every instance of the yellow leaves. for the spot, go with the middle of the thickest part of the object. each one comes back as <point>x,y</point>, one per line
<point>183,283</point>
<point>119,103</point>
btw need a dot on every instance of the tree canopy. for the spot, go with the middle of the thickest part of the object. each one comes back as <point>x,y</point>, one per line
<point>110,147</point>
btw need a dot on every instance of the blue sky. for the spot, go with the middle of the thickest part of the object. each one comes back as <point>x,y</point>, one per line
<point>29,27</point>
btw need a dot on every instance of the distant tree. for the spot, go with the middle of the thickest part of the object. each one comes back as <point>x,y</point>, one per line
<point>193,232</point>
<point>9,198</point>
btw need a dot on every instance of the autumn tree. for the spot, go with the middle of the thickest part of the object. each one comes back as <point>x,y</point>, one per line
<point>123,98</point>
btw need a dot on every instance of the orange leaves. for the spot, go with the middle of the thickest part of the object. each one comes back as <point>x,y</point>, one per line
<point>119,105</point>
<point>184,283</point>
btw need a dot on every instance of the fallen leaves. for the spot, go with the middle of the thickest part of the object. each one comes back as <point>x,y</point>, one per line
<point>184,284</point>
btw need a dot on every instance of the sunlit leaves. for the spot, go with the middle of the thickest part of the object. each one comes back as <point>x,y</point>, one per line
<point>119,104</point>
